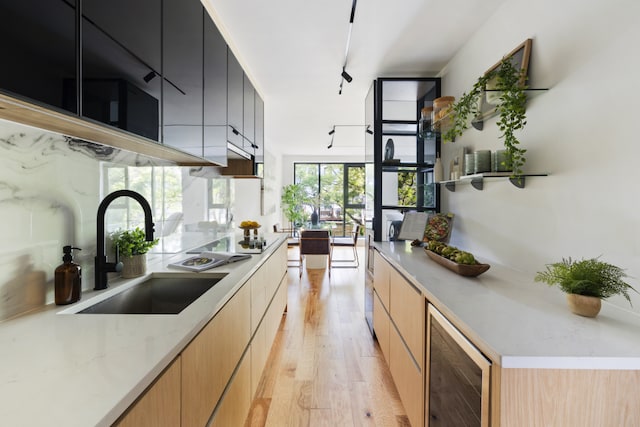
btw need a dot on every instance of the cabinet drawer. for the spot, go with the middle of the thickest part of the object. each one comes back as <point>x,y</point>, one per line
<point>209,360</point>
<point>381,325</point>
<point>381,278</point>
<point>407,378</point>
<point>407,309</point>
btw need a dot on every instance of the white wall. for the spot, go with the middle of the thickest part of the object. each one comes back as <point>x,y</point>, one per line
<point>583,132</point>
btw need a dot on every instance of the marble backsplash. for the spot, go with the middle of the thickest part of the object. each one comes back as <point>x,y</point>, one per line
<point>50,188</point>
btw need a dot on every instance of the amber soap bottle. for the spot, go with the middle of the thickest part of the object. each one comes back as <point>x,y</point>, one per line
<point>68,279</point>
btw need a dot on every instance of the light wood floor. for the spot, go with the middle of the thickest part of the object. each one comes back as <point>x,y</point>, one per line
<point>325,369</point>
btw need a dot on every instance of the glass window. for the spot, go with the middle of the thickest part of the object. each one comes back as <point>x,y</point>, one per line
<point>336,191</point>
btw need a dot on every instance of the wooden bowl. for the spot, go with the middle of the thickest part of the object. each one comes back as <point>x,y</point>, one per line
<point>461,269</point>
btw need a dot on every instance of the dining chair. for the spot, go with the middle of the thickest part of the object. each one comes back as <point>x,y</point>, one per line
<point>351,242</point>
<point>315,242</point>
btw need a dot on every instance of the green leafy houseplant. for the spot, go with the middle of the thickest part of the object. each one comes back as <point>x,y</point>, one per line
<point>511,107</point>
<point>293,200</point>
<point>132,242</point>
<point>588,277</point>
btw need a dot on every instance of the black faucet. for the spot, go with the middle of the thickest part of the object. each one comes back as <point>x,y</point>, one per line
<point>102,267</point>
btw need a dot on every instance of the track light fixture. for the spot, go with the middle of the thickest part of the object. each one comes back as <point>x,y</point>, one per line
<point>150,76</point>
<point>345,75</point>
<point>332,131</point>
<point>368,130</point>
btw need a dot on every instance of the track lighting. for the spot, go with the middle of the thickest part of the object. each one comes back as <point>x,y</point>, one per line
<point>332,131</point>
<point>235,131</point>
<point>150,76</point>
<point>346,76</point>
<point>368,130</point>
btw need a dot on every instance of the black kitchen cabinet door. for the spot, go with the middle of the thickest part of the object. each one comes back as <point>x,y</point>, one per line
<point>235,100</point>
<point>38,45</point>
<point>182,70</point>
<point>249,114</point>
<point>215,93</point>
<point>259,131</point>
<point>121,51</point>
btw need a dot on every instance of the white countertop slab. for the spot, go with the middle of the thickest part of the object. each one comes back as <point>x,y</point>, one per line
<point>519,323</point>
<point>87,369</point>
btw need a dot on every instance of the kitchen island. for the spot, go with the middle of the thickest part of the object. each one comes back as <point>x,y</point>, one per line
<point>61,368</point>
<point>548,366</point>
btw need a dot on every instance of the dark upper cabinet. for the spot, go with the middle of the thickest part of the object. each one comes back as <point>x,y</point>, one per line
<point>121,51</point>
<point>248,125</point>
<point>182,118</point>
<point>259,131</point>
<point>235,100</point>
<point>38,45</point>
<point>215,93</point>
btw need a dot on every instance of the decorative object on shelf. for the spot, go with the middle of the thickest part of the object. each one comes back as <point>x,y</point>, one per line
<point>586,282</point>
<point>469,163</point>
<point>500,161</point>
<point>293,200</point>
<point>441,112</point>
<point>424,125</point>
<point>460,262</point>
<point>388,150</point>
<point>482,161</point>
<point>438,172</point>
<point>133,247</point>
<point>507,79</point>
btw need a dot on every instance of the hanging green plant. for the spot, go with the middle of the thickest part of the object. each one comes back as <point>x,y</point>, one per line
<point>509,82</point>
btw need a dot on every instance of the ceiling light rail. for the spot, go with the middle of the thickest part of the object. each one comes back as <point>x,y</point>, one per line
<point>332,132</point>
<point>344,75</point>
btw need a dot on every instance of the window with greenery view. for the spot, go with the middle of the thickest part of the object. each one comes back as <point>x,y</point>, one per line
<point>337,191</point>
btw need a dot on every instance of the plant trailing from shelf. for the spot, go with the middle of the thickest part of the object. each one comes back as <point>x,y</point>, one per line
<point>588,278</point>
<point>509,82</point>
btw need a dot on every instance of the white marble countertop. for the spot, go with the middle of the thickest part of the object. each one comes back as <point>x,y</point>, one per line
<point>519,323</point>
<point>61,369</point>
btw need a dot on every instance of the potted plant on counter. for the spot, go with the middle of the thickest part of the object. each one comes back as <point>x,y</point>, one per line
<point>132,247</point>
<point>586,283</point>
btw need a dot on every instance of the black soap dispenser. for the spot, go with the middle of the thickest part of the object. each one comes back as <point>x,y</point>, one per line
<point>68,279</point>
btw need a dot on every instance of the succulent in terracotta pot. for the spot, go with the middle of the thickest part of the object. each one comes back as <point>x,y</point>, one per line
<point>586,283</point>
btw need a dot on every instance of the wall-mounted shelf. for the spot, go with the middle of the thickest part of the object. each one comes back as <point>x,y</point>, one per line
<point>487,111</point>
<point>477,180</point>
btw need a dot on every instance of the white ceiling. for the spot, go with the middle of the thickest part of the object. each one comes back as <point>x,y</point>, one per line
<point>294,50</point>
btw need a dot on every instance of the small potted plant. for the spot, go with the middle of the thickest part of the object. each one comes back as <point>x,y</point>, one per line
<point>586,283</point>
<point>132,247</point>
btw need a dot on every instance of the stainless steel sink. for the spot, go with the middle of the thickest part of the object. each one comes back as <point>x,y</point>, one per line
<point>156,295</point>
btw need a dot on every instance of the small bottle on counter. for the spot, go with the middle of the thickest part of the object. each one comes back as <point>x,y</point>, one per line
<point>68,279</point>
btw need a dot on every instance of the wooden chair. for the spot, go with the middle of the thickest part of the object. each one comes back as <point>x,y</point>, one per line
<point>315,242</point>
<point>351,242</point>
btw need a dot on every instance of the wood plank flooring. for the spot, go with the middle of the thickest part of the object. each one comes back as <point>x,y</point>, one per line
<point>325,368</point>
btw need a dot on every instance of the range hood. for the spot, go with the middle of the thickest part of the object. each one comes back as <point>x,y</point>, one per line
<point>240,164</point>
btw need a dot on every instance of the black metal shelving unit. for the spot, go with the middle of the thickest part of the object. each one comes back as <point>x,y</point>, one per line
<point>393,112</point>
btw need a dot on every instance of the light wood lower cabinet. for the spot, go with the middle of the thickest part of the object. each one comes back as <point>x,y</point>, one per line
<point>399,326</point>
<point>210,359</point>
<point>234,407</point>
<point>159,406</point>
<point>220,368</point>
<point>381,324</point>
